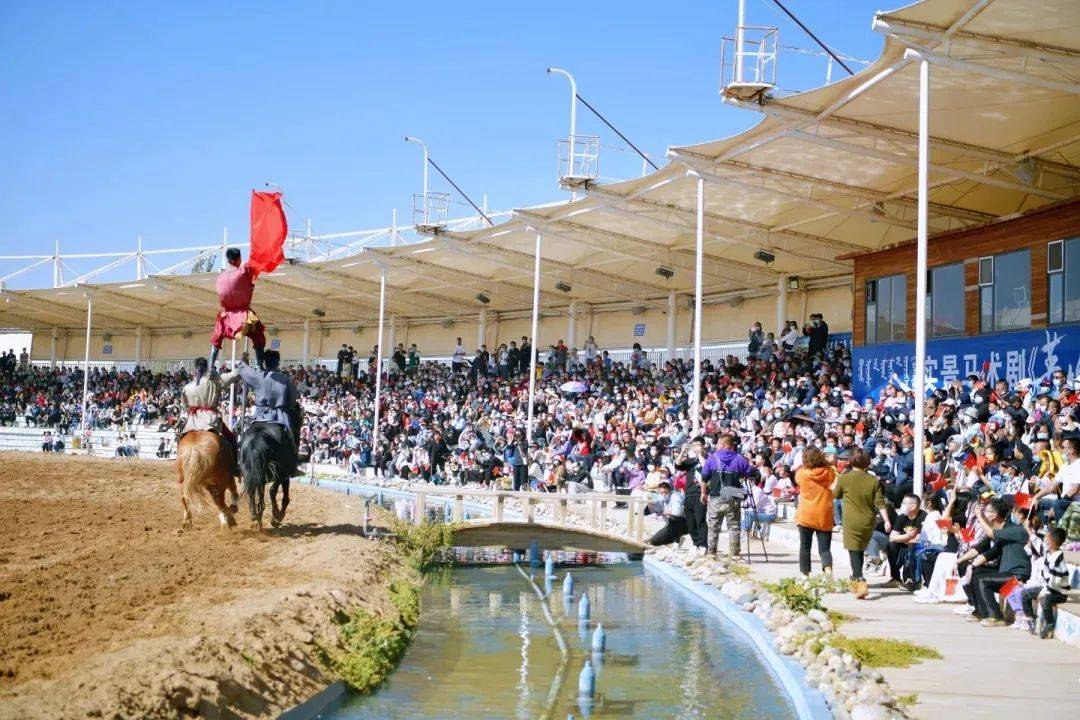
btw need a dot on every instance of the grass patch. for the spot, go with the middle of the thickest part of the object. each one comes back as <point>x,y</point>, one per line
<point>740,571</point>
<point>373,645</point>
<point>800,595</point>
<point>884,652</point>
<point>907,700</point>
<point>839,618</point>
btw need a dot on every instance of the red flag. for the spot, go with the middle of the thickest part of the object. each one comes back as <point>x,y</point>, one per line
<point>970,461</point>
<point>944,523</point>
<point>939,484</point>
<point>968,534</point>
<point>1006,590</point>
<point>268,230</point>
<point>1022,500</point>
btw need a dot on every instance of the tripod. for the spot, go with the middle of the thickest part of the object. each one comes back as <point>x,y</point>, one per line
<point>748,488</point>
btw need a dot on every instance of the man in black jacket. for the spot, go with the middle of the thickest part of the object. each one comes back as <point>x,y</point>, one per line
<point>819,334</point>
<point>689,460</point>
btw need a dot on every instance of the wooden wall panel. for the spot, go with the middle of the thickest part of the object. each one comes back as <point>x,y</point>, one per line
<point>1033,230</point>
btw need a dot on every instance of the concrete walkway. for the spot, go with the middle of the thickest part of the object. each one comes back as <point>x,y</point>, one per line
<point>985,672</point>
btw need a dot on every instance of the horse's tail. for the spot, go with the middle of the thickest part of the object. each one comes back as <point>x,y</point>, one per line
<point>258,461</point>
<point>197,460</point>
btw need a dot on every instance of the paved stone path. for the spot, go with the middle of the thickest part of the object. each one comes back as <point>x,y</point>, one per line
<point>985,672</point>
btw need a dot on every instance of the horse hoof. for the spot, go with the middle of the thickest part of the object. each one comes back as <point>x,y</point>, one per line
<point>275,522</point>
<point>234,508</point>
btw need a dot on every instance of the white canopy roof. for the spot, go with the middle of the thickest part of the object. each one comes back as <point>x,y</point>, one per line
<point>826,174</point>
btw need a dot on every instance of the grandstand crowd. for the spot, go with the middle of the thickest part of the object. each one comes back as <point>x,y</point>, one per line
<point>781,426</point>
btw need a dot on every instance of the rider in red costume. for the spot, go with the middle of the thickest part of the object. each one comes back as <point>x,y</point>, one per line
<point>235,286</point>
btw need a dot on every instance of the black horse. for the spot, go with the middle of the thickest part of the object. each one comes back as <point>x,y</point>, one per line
<point>267,457</point>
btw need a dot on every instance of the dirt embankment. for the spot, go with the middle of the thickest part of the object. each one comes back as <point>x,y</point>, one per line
<point>105,611</point>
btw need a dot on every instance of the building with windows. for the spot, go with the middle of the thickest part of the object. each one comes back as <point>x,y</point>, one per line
<point>1003,301</point>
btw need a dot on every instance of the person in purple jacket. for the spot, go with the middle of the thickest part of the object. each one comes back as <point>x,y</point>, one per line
<point>722,492</point>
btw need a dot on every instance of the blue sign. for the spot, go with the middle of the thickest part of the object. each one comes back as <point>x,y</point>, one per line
<point>639,330</point>
<point>1011,356</point>
<point>275,344</point>
<point>106,350</point>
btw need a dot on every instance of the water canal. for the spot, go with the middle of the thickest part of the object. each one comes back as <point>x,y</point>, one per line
<point>485,649</point>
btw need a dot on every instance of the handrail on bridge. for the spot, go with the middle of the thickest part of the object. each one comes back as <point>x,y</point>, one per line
<point>595,517</point>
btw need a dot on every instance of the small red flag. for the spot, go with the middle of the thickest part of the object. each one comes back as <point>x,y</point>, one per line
<point>776,492</point>
<point>968,534</point>
<point>970,461</point>
<point>944,523</point>
<point>1022,500</point>
<point>268,231</point>
<point>1007,589</point>
<point>939,485</point>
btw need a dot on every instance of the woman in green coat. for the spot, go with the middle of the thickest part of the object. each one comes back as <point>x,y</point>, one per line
<point>863,499</point>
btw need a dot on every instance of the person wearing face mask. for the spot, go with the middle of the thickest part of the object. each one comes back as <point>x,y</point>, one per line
<point>1007,548</point>
<point>668,505</point>
<point>902,469</point>
<point>902,541</point>
<point>689,460</point>
<point>1065,483</point>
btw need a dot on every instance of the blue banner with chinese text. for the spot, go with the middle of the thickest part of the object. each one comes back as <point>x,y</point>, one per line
<point>1009,356</point>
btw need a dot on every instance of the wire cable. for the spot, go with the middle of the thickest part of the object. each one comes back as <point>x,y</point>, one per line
<point>616,131</point>
<point>461,192</point>
<point>813,37</point>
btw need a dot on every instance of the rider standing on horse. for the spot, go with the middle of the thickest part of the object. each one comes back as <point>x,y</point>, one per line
<point>235,286</point>
<point>202,399</point>
<point>276,399</point>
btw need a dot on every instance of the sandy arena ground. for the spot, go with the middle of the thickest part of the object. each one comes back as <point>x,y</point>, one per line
<point>106,611</point>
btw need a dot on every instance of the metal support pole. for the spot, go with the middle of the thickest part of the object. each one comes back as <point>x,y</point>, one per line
<point>920,273</point>
<point>138,345</point>
<point>481,330</point>
<point>571,328</point>
<point>224,243</point>
<point>421,143</point>
<point>140,263</point>
<point>534,340</point>
<point>781,305</point>
<point>672,324</point>
<point>378,360</point>
<point>52,347</point>
<point>739,42</point>
<point>700,250</point>
<point>391,340</point>
<point>86,362</point>
<point>307,340</point>
<point>57,275</point>
<point>232,388</point>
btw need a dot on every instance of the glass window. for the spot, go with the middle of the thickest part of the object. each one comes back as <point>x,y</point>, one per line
<point>946,305</point>
<point>1005,291</point>
<point>886,309</point>
<point>1063,280</point>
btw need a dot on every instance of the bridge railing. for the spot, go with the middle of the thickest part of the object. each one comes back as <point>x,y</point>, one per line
<point>618,515</point>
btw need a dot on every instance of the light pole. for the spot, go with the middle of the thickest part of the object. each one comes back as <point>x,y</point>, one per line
<point>573,103</point>
<point>420,142</point>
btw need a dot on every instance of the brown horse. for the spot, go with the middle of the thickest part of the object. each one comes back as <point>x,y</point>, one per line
<point>204,465</point>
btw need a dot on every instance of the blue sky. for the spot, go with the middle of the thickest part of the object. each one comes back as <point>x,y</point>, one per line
<point>156,119</point>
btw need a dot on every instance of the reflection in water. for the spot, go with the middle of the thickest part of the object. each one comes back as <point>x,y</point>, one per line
<point>484,650</point>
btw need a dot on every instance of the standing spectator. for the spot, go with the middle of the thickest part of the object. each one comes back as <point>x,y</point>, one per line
<point>457,363</point>
<point>814,515</point>
<point>24,360</point>
<point>1052,587</point>
<point>342,359</point>
<point>863,501</point>
<point>399,358</point>
<point>756,338</point>
<point>513,359</point>
<point>788,336</point>
<point>819,335</point>
<point>414,361</point>
<point>723,494</point>
<point>590,351</point>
